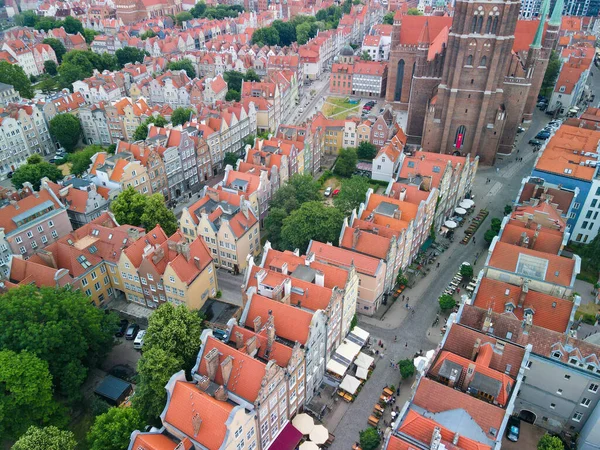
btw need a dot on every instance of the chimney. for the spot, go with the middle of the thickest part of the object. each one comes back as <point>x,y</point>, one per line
<point>287,287</point>
<point>398,214</point>
<point>284,268</point>
<point>475,349</point>
<point>523,294</point>
<point>239,340</point>
<point>256,159</point>
<point>221,394</point>
<point>133,234</point>
<point>487,323</point>
<point>436,439</point>
<point>213,195</point>
<point>455,439</point>
<point>226,368</point>
<point>524,240</point>
<point>527,323</point>
<point>197,262</point>
<point>203,383</point>
<point>355,236</point>
<point>184,249</point>
<point>196,423</point>
<point>319,278</point>
<point>212,363</point>
<point>402,195</point>
<point>529,220</point>
<point>14,204</point>
<point>251,346</point>
<point>159,253</point>
<point>535,236</point>
<point>270,335</point>
<point>257,324</point>
<point>469,376</point>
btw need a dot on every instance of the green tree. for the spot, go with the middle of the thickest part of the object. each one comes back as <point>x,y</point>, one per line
<point>183,64</point>
<point>369,439</point>
<point>66,129</point>
<point>551,74</point>
<point>112,430</point>
<point>407,368</point>
<point>273,224</point>
<point>414,12</point>
<point>366,150</point>
<point>157,213</point>
<point>72,25</point>
<point>401,280</point>
<point>312,221</point>
<point>298,190</point>
<point>233,78</point>
<point>57,46</point>
<point>549,442</point>
<point>365,56</point>
<point>388,19</point>
<point>251,75</point>
<point>130,55</point>
<point>69,73</point>
<point>43,321</point>
<point>147,34</point>
<point>89,35</point>
<point>286,31</point>
<point>249,140</point>
<point>266,36</point>
<point>25,393</point>
<point>47,438</point>
<point>14,75</point>
<point>507,210</point>
<point>181,115</point>
<point>233,96</point>
<point>141,132</point>
<point>82,160</point>
<point>35,169</point>
<point>493,231</point>
<point>183,16</point>
<point>352,194</point>
<point>303,33</point>
<point>446,302</point>
<point>346,162</point>
<point>129,206</point>
<point>154,369</point>
<point>230,159</point>
<point>50,67</point>
<point>47,85</point>
<point>26,19</point>
<point>108,62</point>
<point>47,23</point>
<point>198,10</point>
<point>466,271</point>
<point>176,330</point>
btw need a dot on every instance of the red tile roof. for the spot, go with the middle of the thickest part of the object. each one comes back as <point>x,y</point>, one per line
<point>280,353</point>
<point>154,441</point>
<point>545,242</point>
<point>549,312</point>
<point>24,272</point>
<point>345,258</point>
<point>366,243</point>
<point>9,211</point>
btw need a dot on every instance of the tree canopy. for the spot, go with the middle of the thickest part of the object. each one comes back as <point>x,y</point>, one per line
<point>230,159</point>
<point>47,438</point>
<point>112,430</point>
<point>89,35</point>
<point>551,74</point>
<point>388,19</point>
<point>369,439</point>
<point>414,12</point>
<point>147,34</point>
<point>183,64</point>
<point>233,96</point>
<point>183,16</point>
<point>141,132</point>
<point>446,302</point>
<point>366,150</point>
<point>407,368</point>
<point>132,208</point>
<point>352,194</point>
<point>234,79</point>
<point>466,271</point>
<point>365,56</point>
<point>313,220</point>
<point>176,330</point>
<point>66,129</point>
<point>181,115</point>
<point>35,169</point>
<point>45,321</point>
<point>57,46</point>
<point>346,162</point>
<point>72,25</point>
<point>50,67</point>
<point>25,393</point>
<point>81,160</point>
<point>200,10</point>
<point>549,442</point>
<point>130,55</point>
<point>14,75</point>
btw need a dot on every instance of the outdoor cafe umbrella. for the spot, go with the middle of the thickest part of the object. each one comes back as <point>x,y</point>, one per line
<point>319,434</point>
<point>303,423</point>
<point>308,445</point>
<point>460,211</point>
<point>450,224</point>
<point>466,203</point>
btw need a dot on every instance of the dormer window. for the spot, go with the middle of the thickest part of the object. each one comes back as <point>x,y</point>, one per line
<point>561,89</point>
<point>509,307</point>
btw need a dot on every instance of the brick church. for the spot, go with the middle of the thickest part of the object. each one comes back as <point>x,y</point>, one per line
<point>470,80</point>
<point>132,11</point>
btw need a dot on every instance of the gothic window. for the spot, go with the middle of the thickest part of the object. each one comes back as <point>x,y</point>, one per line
<point>459,139</point>
<point>399,81</point>
<point>495,25</point>
<point>474,25</point>
<point>479,24</point>
<point>470,60</point>
<point>488,25</point>
<point>483,61</point>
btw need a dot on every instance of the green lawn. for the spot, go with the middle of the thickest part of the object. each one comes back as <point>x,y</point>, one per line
<point>338,108</point>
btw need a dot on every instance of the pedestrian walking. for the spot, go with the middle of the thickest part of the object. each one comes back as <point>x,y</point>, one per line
<point>497,169</point>
<point>395,338</point>
<point>438,265</point>
<point>473,239</point>
<point>406,345</point>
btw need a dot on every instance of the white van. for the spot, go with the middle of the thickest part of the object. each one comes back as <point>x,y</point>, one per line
<point>139,340</point>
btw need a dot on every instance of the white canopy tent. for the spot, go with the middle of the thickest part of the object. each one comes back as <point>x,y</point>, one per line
<point>319,434</point>
<point>308,445</point>
<point>348,350</point>
<point>349,384</point>
<point>362,373</point>
<point>363,360</point>
<point>467,204</point>
<point>361,334</point>
<point>460,211</point>
<point>336,367</point>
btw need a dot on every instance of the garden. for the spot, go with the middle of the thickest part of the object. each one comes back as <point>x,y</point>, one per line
<point>339,108</point>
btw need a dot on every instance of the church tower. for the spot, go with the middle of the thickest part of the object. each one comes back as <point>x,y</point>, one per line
<point>467,114</point>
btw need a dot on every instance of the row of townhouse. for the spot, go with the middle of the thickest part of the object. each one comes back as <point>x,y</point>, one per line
<point>378,42</point>
<point>308,145</point>
<point>30,57</point>
<point>23,132</point>
<point>360,78</point>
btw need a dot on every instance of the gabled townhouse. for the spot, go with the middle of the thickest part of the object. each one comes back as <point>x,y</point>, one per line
<point>41,54</point>
<point>95,127</point>
<point>307,268</point>
<point>227,224</point>
<point>8,94</point>
<point>23,272</point>
<point>25,126</point>
<point>63,102</point>
<point>302,135</point>
<point>371,273</point>
<point>215,89</point>
<point>118,172</point>
<point>288,87</point>
<point>23,55</point>
<point>33,221</point>
<point>290,62</point>
<point>151,157</point>
<point>169,88</point>
<point>268,91</point>
<point>276,166</point>
<point>82,199</point>
<point>386,163</point>
<point>255,186</point>
<point>162,269</point>
<point>102,87</point>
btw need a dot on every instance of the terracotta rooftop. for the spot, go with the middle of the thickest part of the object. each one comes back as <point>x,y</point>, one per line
<point>548,311</point>
<point>345,258</point>
<point>280,353</point>
<point>382,205</point>
<point>9,213</point>
<point>531,263</point>
<point>158,441</point>
<point>24,272</point>
<point>545,241</point>
<point>366,243</point>
<point>561,198</point>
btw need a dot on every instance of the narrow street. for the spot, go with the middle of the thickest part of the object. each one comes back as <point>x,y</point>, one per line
<point>416,333</point>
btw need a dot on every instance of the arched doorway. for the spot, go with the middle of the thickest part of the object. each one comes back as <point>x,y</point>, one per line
<point>527,416</point>
<point>399,81</point>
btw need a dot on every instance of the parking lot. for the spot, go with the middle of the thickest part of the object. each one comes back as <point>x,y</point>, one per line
<point>122,356</point>
<point>528,438</point>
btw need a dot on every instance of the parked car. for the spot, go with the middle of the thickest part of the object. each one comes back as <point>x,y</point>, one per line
<point>520,129</point>
<point>336,192</point>
<point>122,328</point>
<point>132,331</point>
<point>138,343</point>
<point>327,192</point>
<point>9,174</point>
<point>513,429</point>
<point>543,135</point>
<point>534,142</point>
